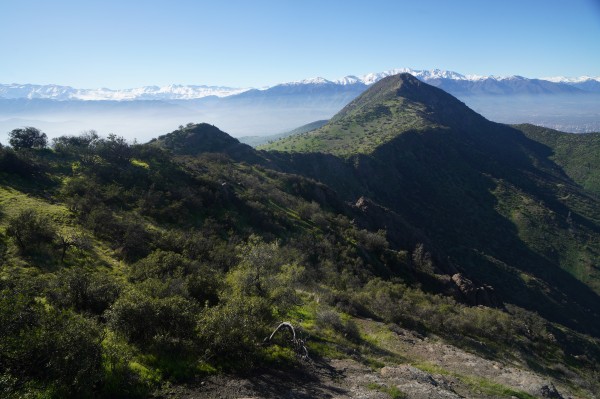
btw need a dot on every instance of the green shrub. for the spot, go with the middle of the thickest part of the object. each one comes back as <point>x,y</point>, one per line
<point>161,264</point>
<point>31,230</point>
<point>162,324</point>
<point>48,347</point>
<point>119,379</point>
<point>374,242</point>
<point>83,291</point>
<point>80,145</point>
<point>232,330</point>
<point>328,318</point>
<point>179,275</point>
<point>16,163</point>
<point>114,150</point>
<point>135,240</point>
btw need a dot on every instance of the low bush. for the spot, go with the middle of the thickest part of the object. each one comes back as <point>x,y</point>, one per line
<point>83,291</point>
<point>42,346</point>
<point>31,230</point>
<point>159,324</point>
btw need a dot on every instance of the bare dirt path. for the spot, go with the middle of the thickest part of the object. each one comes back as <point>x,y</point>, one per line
<point>443,372</point>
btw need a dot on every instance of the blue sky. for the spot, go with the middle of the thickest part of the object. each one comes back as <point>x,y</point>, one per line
<point>129,43</point>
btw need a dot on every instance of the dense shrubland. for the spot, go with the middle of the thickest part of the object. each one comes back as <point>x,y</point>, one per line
<point>124,267</point>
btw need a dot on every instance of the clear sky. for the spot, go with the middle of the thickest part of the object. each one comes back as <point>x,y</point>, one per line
<point>255,43</point>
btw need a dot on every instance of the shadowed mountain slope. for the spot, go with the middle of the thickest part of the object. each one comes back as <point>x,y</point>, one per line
<point>576,154</point>
<point>493,203</point>
<point>128,268</point>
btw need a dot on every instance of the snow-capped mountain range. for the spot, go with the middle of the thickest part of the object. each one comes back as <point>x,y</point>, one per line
<point>371,78</point>
<point>569,104</point>
<point>171,92</point>
<point>562,79</point>
<point>432,75</point>
<point>447,80</point>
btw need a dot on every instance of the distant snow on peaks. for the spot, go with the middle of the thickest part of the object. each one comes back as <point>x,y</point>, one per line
<point>580,79</point>
<point>170,92</point>
<point>349,80</point>
<point>444,79</point>
<point>310,81</point>
<point>371,78</point>
<point>425,75</point>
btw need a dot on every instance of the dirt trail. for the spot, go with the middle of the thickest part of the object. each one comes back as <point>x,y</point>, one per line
<point>453,373</point>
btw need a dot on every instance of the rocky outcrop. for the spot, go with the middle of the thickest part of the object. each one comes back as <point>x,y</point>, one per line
<point>372,216</point>
<point>476,295</point>
<point>417,383</point>
<point>550,391</point>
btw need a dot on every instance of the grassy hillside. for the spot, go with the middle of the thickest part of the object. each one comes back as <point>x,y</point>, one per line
<point>393,106</point>
<point>129,268</point>
<point>577,154</point>
<point>490,202</point>
<point>256,141</point>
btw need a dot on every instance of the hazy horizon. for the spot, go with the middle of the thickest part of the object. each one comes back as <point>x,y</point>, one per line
<point>554,111</point>
<point>130,44</point>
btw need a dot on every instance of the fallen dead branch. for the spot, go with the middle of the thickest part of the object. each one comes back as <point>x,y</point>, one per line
<point>299,344</point>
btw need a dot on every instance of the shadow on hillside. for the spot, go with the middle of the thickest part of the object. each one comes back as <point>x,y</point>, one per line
<point>444,183</point>
<point>313,381</point>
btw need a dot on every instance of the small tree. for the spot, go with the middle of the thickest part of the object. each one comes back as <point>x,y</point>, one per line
<point>80,145</point>
<point>71,240</point>
<point>28,137</point>
<point>30,230</point>
<point>114,149</point>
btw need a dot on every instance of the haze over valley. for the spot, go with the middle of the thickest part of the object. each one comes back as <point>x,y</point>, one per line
<point>571,105</point>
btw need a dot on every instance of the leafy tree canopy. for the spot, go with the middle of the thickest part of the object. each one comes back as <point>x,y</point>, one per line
<point>27,137</point>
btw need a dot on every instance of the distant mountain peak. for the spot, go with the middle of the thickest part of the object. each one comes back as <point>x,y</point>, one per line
<point>402,85</point>
<point>449,80</point>
<point>316,80</point>
<point>388,108</point>
<point>436,106</point>
<point>580,79</point>
<point>350,79</point>
<point>194,139</point>
<point>64,93</point>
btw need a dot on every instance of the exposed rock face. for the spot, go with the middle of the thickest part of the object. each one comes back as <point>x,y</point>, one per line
<point>419,384</point>
<point>482,295</point>
<point>373,217</point>
<point>550,391</point>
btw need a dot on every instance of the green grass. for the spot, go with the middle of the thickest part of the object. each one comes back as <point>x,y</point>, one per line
<point>237,200</point>
<point>360,132</point>
<point>576,153</point>
<point>13,201</point>
<point>550,234</point>
<point>140,163</point>
<point>393,391</point>
<point>279,356</point>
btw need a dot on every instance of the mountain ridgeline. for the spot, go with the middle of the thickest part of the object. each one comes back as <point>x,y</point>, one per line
<point>406,214</point>
<point>393,105</point>
<point>473,190</point>
<point>493,202</point>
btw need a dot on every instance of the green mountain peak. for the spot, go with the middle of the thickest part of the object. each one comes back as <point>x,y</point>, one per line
<point>390,107</point>
<point>193,139</point>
